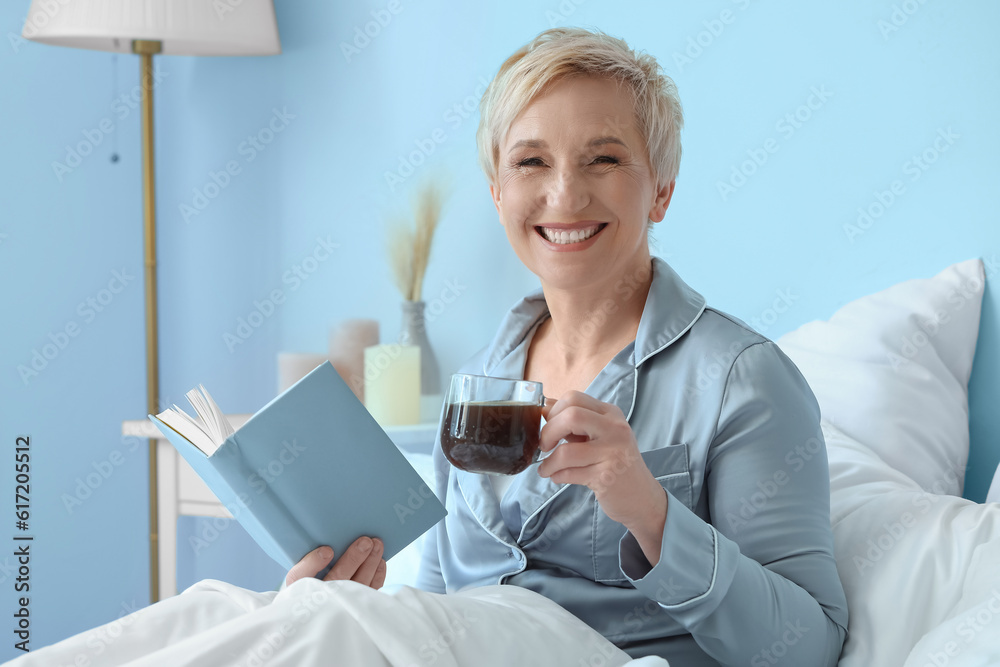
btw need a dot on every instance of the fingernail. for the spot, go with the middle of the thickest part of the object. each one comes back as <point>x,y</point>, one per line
<point>366,544</point>
<point>326,553</point>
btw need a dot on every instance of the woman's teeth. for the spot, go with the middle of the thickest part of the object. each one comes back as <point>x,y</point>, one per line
<point>564,236</point>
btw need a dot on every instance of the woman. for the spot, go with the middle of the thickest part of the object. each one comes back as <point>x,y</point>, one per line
<point>687,513</point>
<point>683,510</point>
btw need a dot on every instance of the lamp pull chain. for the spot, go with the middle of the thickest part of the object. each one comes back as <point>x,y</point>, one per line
<point>114,94</point>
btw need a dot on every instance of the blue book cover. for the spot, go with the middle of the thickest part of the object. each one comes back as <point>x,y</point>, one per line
<point>313,467</point>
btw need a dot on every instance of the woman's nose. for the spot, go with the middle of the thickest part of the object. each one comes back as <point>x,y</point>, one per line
<point>567,192</point>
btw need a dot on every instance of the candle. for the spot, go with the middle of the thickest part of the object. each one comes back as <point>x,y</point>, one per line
<point>293,366</point>
<point>348,341</point>
<point>392,383</point>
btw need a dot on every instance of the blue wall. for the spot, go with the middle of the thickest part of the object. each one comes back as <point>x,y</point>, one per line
<point>890,77</point>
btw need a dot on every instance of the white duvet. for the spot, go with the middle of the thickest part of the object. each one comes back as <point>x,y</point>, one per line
<point>343,623</point>
<point>921,570</point>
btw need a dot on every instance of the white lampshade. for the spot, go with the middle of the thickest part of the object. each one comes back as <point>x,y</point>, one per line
<point>185,27</point>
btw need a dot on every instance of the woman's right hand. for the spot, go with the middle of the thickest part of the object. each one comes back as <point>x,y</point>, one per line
<point>362,562</point>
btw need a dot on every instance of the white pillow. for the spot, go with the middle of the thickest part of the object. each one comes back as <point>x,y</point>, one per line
<point>911,563</point>
<point>993,495</point>
<point>892,370</point>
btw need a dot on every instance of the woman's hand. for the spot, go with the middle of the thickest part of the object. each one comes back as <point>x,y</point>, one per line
<point>601,453</point>
<point>362,562</point>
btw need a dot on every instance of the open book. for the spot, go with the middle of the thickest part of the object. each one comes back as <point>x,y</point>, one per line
<point>312,467</point>
<point>208,430</point>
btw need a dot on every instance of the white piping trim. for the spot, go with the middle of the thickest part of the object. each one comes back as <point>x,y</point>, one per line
<point>539,509</point>
<point>715,571</point>
<point>635,371</point>
<point>507,545</point>
<point>476,516</point>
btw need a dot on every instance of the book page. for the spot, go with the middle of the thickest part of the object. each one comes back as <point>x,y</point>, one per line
<point>208,430</point>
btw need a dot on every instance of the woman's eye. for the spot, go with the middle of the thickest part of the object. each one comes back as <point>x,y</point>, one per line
<point>606,159</point>
<point>529,162</point>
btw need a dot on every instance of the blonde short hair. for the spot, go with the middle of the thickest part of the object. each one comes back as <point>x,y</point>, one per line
<point>564,52</point>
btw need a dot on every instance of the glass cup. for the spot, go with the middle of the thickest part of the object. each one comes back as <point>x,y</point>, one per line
<point>491,425</point>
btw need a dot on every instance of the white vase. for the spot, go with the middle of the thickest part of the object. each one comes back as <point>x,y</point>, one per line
<point>414,332</point>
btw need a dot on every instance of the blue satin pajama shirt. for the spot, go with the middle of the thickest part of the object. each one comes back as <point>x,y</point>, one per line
<point>728,425</point>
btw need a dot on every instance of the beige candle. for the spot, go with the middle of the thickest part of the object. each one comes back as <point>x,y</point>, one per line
<point>392,383</point>
<point>348,341</point>
<point>293,366</point>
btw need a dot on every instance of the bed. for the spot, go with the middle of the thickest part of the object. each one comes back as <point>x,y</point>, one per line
<point>920,564</point>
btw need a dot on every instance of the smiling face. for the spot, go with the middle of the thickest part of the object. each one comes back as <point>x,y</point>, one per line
<point>575,188</point>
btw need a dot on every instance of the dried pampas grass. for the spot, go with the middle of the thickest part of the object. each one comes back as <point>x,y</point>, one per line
<point>410,246</point>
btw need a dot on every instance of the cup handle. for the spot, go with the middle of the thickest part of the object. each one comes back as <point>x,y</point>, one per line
<point>546,402</point>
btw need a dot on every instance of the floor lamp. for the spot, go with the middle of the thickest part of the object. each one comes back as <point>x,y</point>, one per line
<point>148,28</point>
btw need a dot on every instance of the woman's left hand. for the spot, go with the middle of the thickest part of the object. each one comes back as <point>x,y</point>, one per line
<point>601,453</point>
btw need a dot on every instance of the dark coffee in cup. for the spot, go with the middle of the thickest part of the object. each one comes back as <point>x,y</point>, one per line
<point>496,437</point>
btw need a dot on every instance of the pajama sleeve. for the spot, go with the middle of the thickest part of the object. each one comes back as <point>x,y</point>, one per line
<point>759,583</point>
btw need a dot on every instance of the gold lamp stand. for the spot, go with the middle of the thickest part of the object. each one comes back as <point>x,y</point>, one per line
<point>146,49</point>
<point>187,29</point>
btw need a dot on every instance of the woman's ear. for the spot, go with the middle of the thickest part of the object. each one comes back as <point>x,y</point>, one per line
<point>495,194</point>
<point>661,201</point>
